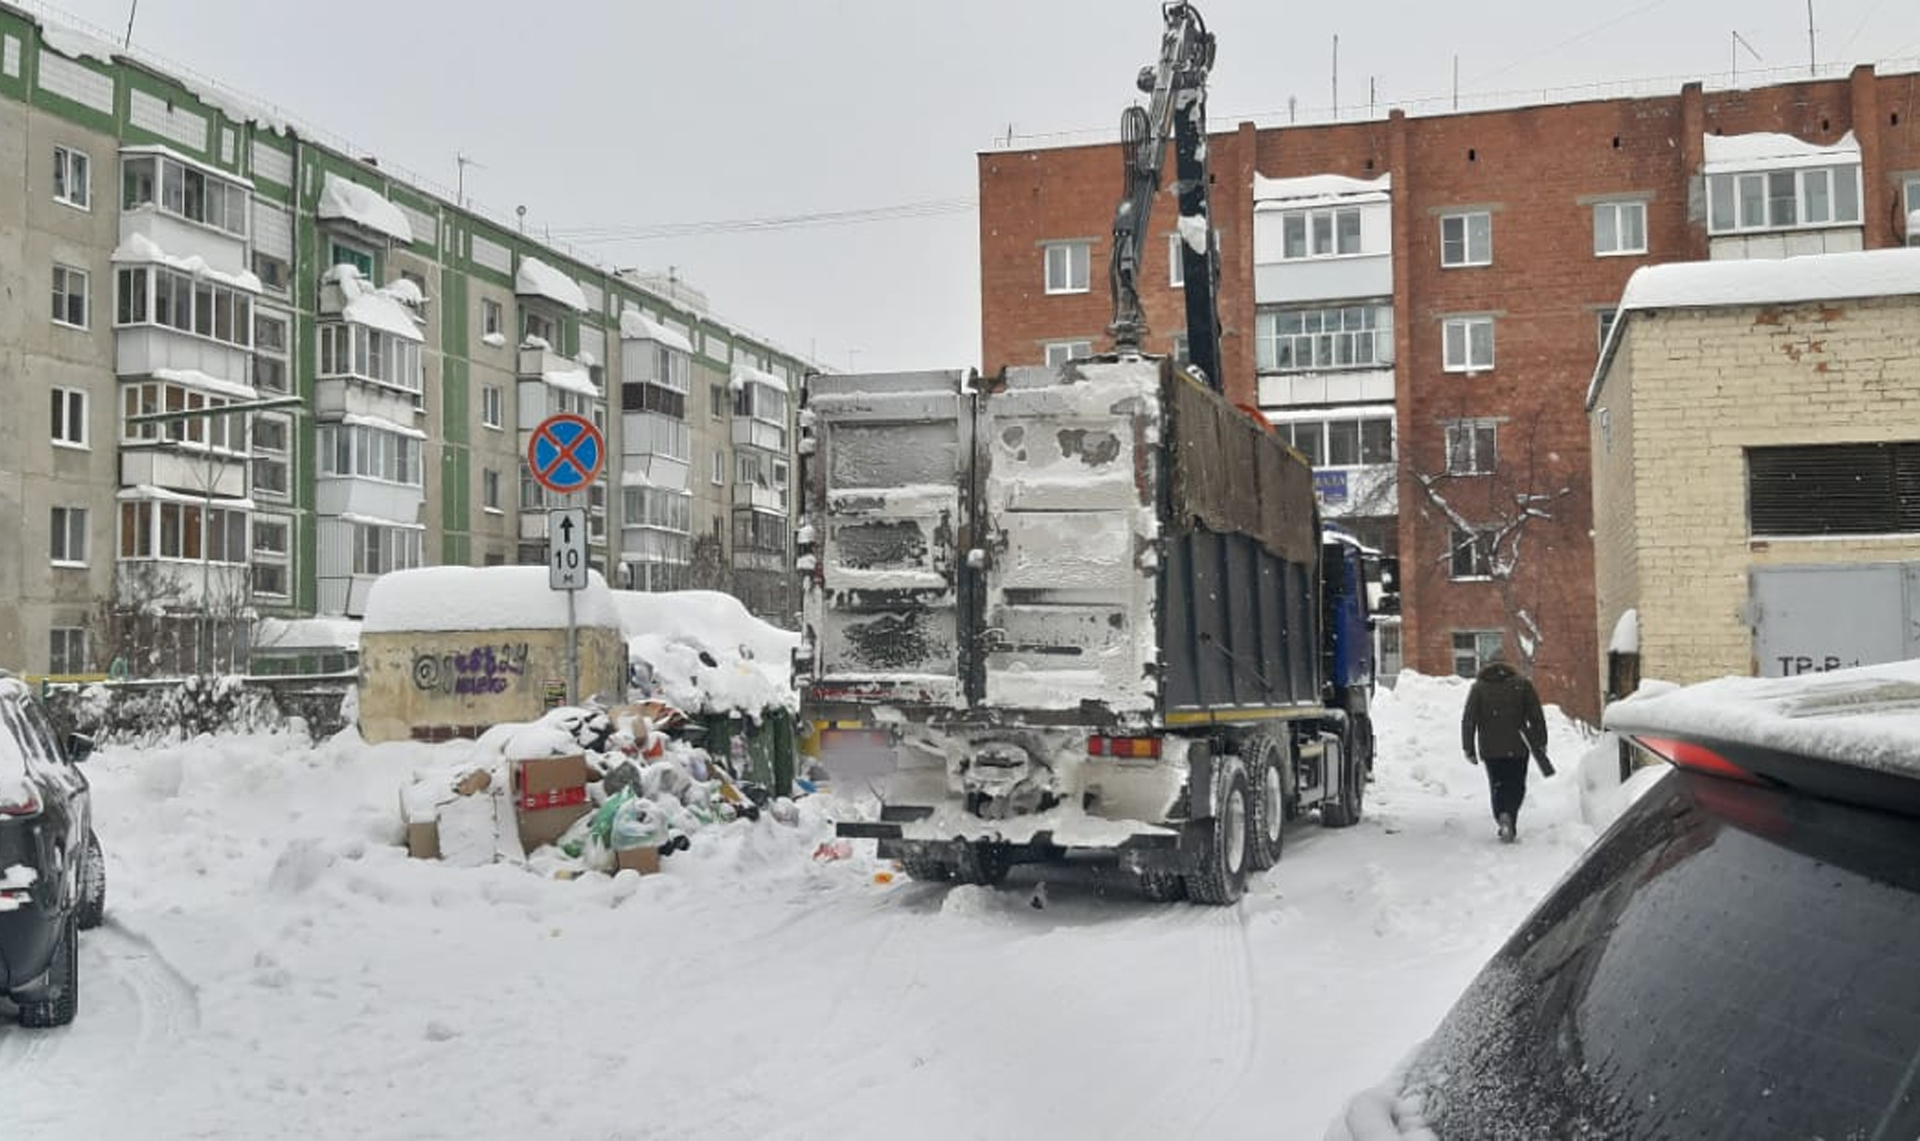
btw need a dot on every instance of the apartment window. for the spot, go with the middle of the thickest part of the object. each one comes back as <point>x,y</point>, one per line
<point>188,192</point>
<point>270,579</point>
<point>343,253</point>
<point>72,177</point>
<point>717,401</point>
<point>160,296</point>
<point>70,417</point>
<point>1472,447</point>
<point>1747,201</point>
<point>1176,263</point>
<point>1604,321</point>
<point>153,529</point>
<point>541,327</point>
<point>492,318</point>
<point>220,433</point>
<point>490,490</point>
<point>1913,210</point>
<point>1834,489</point>
<point>491,413</point>
<point>1067,266</point>
<point>365,452</point>
<point>270,537</point>
<point>533,497</point>
<point>1473,649</point>
<point>273,272</point>
<point>379,550</point>
<point>717,468</point>
<point>1468,344</point>
<point>69,530</point>
<point>1320,233</point>
<point>270,352</point>
<point>370,354</point>
<point>1182,348</point>
<point>67,650</point>
<point>1060,352</point>
<point>1342,441</point>
<point>1472,553</point>
<point>1466,239</point>
<point>1307,340</point>
<point>1619,228</point>
<point>69,296</point>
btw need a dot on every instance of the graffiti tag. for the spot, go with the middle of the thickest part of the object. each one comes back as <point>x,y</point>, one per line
<point>480,671</point>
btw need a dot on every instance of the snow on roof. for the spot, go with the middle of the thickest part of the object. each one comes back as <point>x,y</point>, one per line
<point>187,160</point>
<point>76,44</point>
<point>329,633</point>
<point>481,598</point>
<point>194,378</point>
<point>572,380</point>
<point>374,308</point>
<point>382,424</point>
<point>744,374</point>
<point>1291,193</point>
<point>1867,716</point>
<point>1770,281</point>
<point>367,208</point>
<point>749,666</point>
<point>140,248</point>
<point>1767,150</point>
<point>637,326</point>
<point>539,279</point>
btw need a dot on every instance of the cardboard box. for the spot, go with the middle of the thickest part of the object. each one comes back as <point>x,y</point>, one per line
<point>644,860</point>
<point>549,794</point>
<point>423,840</point>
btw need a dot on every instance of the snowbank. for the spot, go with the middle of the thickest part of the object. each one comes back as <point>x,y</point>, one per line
<point>481,598</point>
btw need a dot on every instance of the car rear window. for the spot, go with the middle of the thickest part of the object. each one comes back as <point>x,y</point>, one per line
<point>1728,962</point>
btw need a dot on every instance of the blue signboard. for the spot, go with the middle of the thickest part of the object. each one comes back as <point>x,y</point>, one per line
<point>1330,486</point>
<point>565,453</point>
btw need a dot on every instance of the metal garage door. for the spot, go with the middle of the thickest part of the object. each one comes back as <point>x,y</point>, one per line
<point>1809,619</point>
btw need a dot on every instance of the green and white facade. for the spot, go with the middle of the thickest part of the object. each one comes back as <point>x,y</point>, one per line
<point>163,251</point>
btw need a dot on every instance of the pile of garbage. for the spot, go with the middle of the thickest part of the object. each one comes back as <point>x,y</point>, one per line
<point>581,789</point>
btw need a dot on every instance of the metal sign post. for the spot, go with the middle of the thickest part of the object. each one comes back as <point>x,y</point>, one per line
<point>564,454</point>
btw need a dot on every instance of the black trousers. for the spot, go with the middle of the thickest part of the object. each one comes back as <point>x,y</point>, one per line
<point>1507,779</point>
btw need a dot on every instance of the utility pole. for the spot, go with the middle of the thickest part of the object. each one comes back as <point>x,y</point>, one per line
<point>1336,75</point>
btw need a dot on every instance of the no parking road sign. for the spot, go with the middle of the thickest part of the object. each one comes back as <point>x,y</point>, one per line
<point>565,453</point>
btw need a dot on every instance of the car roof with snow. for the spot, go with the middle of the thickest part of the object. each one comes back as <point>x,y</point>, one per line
<point>1851,735</point>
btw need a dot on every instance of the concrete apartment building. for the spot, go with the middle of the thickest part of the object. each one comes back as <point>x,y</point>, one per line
<point>1756,465</point>
<point>1418,303</point>
<point>166,252</point>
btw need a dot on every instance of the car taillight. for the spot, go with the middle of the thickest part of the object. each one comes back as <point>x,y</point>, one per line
<point>21,803</point>
<point>1688,755</point>
<point>1142,747</point>
<point>855,738</point>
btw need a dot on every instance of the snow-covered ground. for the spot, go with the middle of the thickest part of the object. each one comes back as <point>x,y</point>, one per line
<point>273,965</point>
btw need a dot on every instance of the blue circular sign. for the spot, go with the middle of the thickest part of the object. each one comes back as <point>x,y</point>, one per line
<point>565,453</point>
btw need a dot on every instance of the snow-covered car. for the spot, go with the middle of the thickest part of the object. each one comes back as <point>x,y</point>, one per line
<point>52,873</point>
<point>1735,957</point>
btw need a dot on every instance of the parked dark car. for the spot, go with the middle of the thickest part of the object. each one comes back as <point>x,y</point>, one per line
<point>52,874</point>
<point>1738,956</point>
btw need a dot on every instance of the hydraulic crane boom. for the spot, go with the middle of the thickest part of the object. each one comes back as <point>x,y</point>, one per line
<point>1177,109</point>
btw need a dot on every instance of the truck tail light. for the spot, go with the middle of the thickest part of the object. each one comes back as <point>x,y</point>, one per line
<point>21,802</point>
<point>1136,747</point>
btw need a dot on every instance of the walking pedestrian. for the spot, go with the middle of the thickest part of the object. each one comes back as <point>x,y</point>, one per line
<point>1503,725</point>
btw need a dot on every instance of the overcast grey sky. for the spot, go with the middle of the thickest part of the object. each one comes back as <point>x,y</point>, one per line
<point>609,116</point>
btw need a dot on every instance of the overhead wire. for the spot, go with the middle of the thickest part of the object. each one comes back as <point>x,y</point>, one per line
<point>929,208</point>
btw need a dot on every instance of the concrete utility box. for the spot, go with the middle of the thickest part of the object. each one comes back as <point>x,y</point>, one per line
<point>452,651</point>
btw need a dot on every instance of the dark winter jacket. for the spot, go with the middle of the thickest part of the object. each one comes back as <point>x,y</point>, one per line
<point>1503,710</point>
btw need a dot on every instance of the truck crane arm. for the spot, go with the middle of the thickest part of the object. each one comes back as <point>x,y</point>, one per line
<point>1177,109</point>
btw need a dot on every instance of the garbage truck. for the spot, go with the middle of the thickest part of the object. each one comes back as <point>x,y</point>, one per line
<point>1087,610</point>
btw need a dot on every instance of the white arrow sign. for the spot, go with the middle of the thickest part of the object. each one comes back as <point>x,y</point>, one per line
<point>567,548</point>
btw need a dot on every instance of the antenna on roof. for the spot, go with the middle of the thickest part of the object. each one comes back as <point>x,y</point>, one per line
<point>460,186</point>
<point>131,9</point>
<point>1738,43</point>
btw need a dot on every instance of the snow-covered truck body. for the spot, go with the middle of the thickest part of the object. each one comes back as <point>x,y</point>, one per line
<point>1075,611</point>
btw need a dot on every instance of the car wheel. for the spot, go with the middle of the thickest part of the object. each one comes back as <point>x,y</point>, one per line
<point>1222,876</point>
<point>1267,809</point>
<point>62,996</point>
<point>93,886</point>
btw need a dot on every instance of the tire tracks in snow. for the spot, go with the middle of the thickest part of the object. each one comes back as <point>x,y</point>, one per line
<point>134,1004</point>
<point>1221,1055</point>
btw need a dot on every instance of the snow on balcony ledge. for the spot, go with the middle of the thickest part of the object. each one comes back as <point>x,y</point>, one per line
<point>1292,193</point>
<point>538,279</point>
<point>375,308</point>
<point>571,380</point>
<point>1770,150</point>
<point>347,201</point>
<point>139,248</point>
<point>637,326</point>
<point>745,374</point>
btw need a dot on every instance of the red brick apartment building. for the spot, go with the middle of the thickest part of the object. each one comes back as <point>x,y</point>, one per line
<point>1418,303</point>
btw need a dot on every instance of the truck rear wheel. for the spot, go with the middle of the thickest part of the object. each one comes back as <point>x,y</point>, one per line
<point>920,865</point>
<point>984,864</point>
<point>1267,807</point>
<point>1161,886</point>
<point>1222,875</point>
<point>1343,811</point>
